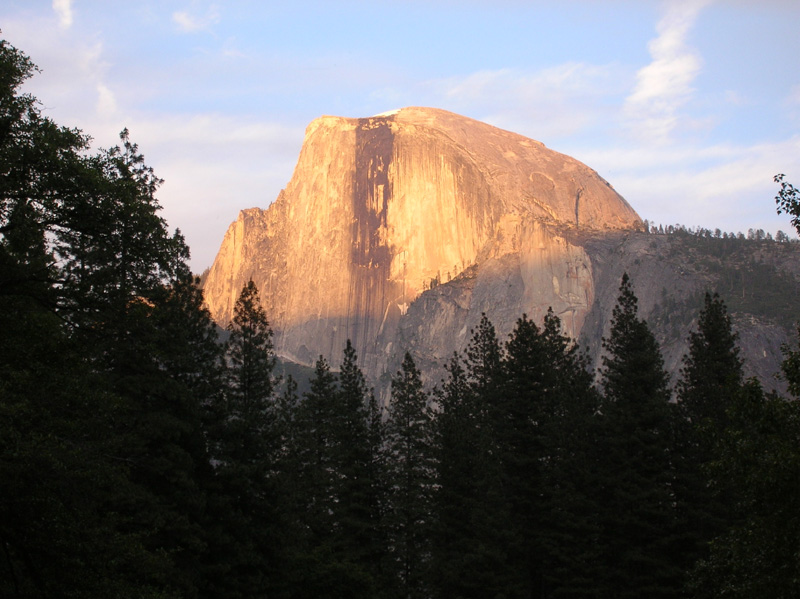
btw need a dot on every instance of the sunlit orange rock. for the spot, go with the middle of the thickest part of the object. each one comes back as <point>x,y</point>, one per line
<point>381,209</point>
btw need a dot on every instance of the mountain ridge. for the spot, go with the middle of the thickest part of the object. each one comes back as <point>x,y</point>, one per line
<point>383,210</point>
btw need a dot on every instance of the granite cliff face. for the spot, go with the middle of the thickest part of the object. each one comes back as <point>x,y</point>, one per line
<point>398,231</point>
<point>384,209</point>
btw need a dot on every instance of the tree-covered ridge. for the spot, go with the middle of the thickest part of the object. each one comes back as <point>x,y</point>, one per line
<point>142,457</point>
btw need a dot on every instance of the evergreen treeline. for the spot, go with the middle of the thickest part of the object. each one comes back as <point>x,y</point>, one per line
<point>703,233</point>
<point>140,457</point>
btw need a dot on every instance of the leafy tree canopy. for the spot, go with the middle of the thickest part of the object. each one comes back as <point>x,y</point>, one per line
<point>788,201</point>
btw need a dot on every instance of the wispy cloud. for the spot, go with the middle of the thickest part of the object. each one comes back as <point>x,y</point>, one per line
<point>553,102</point>
<point>63,9</point>
<point>665,85</point>
<point>564,79</point>
<point>192,23</point>
<point>215,129</point>
<point>76,81</point>
<point>106,101</point>
<point>215,165</point>
<point>720,185</point>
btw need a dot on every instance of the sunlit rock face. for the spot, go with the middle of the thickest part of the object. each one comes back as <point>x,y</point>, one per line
<point>382,210</point>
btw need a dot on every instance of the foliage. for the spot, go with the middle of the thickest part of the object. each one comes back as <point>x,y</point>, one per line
<point>359,462</point>
<point>410,469</point>
<point>758,457</point>
<point>712,370</point>
<point>251,360</point>
<point>332,470</point>
<point>711,378</point>
<point>469,548</point>
<point>545,440</point>
<point>315,455</point>
<point>751,274</point>
<point>243,510</point>
<point>636,488</point>
<point>104,346</point>
<point>790,367</point>
<point>788,201</point>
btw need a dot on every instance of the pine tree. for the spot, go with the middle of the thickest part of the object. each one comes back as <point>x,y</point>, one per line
<point>117,263</point>
<point>410,471</point>
<point>115,252</point>
<point>85,254</point>
<point>753,472</point>
<point>483,362</point>
<point>491,509</point>
<point>336,483</point>
<point>637,497</point>
<point>119,270</point>
<point>711,380</point>
<point>286,430</point>
<point>378,476</point>
<point>544,436</point>
<point>456,451</point>
<point>332,486</point>
<point>250,356</point>
<point>712,370</point>
<point>357,461</point>
<point>243,510</point>
<point>290,500</point>
<point>569,429</point>
<point>469,551</point>
<point>315,456</point>
<point>758,459</point>
<point>56,476</point>
<point>527,380</point>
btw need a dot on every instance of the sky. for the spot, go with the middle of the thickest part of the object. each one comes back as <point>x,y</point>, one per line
<point>688,107</point>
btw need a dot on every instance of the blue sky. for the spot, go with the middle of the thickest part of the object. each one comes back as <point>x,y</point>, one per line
<point>687,107</point>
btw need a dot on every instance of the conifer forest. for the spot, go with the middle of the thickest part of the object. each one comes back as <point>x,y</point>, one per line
<point>143,457</point>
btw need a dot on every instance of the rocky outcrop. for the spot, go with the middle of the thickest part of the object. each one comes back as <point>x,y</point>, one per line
<point>670,275</point>
<point>380,210</point>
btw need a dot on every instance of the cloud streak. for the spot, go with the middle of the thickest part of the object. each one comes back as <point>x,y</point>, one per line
<point>664,86</point>
<point>191,23</point>
<point>106,101</point>
<point>63,10</point>
<point>215,165</point>
<point>555,102</point>
<point>721,185</point>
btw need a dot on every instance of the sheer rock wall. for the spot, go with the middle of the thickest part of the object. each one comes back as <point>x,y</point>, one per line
<point>379,210</point>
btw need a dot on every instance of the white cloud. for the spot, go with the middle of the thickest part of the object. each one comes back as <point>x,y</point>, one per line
<point>106,101</point>
<point>215,130</point>
<point>569,79</point>
<point>76,84</point>
<point>555,102</point>
<point>192,23</point>
<point>214,165</point>
<point>63,9</point>
<point>665,85</point>
<point>725,185</point>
